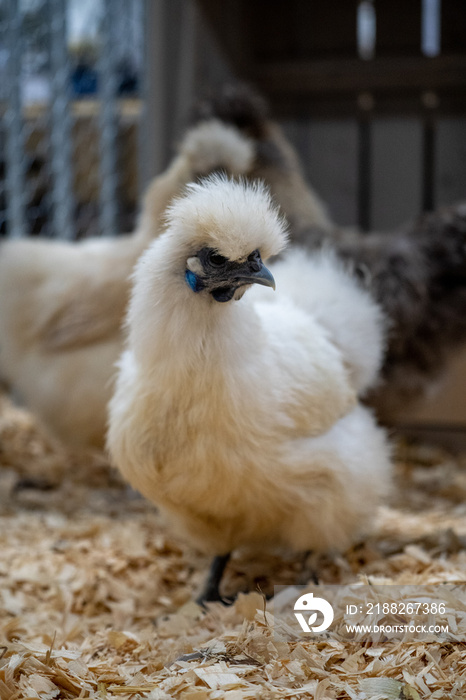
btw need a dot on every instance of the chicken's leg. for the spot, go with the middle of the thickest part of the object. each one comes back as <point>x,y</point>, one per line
<point>211,588</point>
<point>309,573</point>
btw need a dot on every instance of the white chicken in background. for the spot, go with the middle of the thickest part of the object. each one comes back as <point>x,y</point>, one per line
<point>62,303</point>
<point>239,417</point>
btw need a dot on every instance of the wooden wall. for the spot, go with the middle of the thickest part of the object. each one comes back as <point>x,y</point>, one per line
<point>402,111</point>
<point>329,151</point>
<point>302,54</point>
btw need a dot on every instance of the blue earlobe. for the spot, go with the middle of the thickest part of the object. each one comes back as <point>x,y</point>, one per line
<point>193,281</point>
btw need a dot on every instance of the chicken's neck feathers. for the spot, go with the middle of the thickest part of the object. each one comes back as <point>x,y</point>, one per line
<point>186,332</point>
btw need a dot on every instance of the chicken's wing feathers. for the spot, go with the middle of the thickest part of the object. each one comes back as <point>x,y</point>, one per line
<point>324,287</point>
<point>312,384</point>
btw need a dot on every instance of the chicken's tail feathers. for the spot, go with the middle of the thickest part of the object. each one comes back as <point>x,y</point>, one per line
<point>442,237</point>
<point>276,160</point>
<point>444,246</point>
<point>424,292</point>
<point>236,104</point>
<point>212,146</point>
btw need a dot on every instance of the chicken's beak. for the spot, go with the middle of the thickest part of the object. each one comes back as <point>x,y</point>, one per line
<point>261,276</point>
<point>229,283</point>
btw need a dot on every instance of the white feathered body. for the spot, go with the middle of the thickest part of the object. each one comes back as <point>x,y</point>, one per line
<point>241,420</point>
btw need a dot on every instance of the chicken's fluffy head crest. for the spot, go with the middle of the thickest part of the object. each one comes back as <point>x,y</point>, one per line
<point>232,217</point>
<point>220,231</point>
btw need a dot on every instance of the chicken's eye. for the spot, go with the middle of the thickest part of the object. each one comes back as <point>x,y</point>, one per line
<point>255,256</point>
<point>216,260</point>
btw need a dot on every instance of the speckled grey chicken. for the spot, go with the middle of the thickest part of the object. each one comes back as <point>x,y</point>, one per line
<point>417,273</point>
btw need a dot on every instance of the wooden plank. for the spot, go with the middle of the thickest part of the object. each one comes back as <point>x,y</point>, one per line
<point>398,27</point>
<point>230,21</point>
<point>453,26</point>
<point>212,65</point>
<point>328,152</point>
<point>324,29</point>
<point>429,137</point>
<point>273,31</point>
<point>170,41</point>
<point>450,156</point>
<point>300,29</point>
<point>384,74</point>
<point>153,134</point>
<point>288,105</point>
<point>364,193</point>
<point>396,171</point>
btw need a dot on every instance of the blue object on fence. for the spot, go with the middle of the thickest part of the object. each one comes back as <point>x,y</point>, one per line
<point>84,80</point>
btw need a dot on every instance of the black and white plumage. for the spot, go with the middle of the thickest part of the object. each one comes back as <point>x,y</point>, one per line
<point>236,409</point>
<point>418,275</point>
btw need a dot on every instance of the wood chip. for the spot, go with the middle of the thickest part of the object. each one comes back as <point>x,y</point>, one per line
<point>96,595</point>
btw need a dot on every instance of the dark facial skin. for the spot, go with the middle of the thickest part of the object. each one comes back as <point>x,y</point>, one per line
<point>222,277</point>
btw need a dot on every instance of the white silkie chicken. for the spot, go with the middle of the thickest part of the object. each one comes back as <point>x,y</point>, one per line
<point>239,417</point>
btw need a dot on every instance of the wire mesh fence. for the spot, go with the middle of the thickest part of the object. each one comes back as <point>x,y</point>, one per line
<point>71,75</point>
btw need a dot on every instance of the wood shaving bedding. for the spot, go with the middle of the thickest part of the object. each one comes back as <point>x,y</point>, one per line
<point>96,596</point>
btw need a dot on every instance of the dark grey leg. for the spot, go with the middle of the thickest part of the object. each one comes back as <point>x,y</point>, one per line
<point>308,573</point>
<point>210,591</point>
